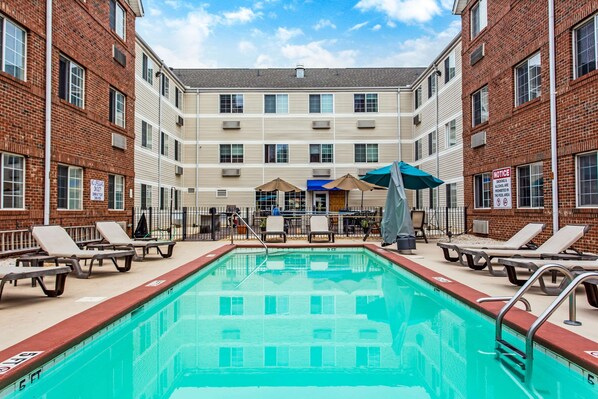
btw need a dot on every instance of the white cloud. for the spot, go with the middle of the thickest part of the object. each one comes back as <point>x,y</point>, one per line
<point>315,55</point>
<point>391,24</point>
<point>324,23</point>
<point>403,10</point>
<point>242,16</point>
<point>358,26</point>
<point>263,61</point>
<point>284,35</point>
<point>155,12</point>
<point>173,3</point>
<point>376,27</point>
<point>246,46</point>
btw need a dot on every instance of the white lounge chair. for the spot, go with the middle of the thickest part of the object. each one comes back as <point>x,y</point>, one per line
<point>55,241</point>
<point>275,227</point>
<point>116,236</point>
<point>12,273</point>
<point>521,240</point>
<point>560,242</point>
<point>319,227</point>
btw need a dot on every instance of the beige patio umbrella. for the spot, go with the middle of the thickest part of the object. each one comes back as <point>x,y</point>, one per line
<point>278,185</point>
<point>349,182</point>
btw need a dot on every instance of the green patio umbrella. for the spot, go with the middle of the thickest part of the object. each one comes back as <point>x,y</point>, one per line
<point>413,178</point>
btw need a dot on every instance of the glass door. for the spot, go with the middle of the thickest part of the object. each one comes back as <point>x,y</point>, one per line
<point>320,201</point>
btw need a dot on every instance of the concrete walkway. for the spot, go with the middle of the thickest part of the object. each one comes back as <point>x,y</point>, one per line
<point>26,311</point>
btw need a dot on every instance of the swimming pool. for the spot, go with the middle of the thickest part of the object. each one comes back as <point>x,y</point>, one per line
<point>316,322</point>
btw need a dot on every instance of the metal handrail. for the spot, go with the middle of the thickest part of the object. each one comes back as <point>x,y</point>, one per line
<point>525,302</point>
<point>529,339</point>
<point>250,229</point>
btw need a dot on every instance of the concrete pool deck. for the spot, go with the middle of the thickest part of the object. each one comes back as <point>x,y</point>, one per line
<point>26,311</point>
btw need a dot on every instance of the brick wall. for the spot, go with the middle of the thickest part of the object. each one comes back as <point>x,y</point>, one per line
<point>80,136</point>
<point>521,135</point>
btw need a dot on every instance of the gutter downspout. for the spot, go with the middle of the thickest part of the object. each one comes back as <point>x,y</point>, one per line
<point>400,155</point>
<point>160,83</point>
<point>197,149</point>
<point>437,89</point>
<point>553,122</point>
<point>48,113</point>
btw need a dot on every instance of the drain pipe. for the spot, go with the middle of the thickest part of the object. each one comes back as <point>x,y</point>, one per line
<point>48,112</point>
<point>437,89</point>
<point>160,88</point>
<point>399,149</point>
<point>553,125</point>
<point>197,149</point>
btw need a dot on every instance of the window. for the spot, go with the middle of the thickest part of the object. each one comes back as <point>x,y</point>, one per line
<point>12,51</point>
<point>367,356</point>
<point>178,98</point>
<point>231,153</point>
<point>528,80</point>
<point>431,85</point>
<point>294,201</point>
<point>450,130</point>
<point>276,356</point>
<point>276,104</point>
<point>321,153</point>
<point>481,186</point>
<point>586,47</point>
<point>418,98</point>
<point>479,106</point>
<point>431,143</point>
<point>163,198</point>
<point>432,197</point>
<point>117,108</point>
<point>366,152</point>
<point>116,192</point>
<point>231,306</point>
<point>231,103</point>
<point>322,304</point>
<point>322,356</point>
<point>266,200</point>
<point>164,144</point>
<point>146,196</point>
<point>147,69</point>
<point>165,85</point>
<point>530,186</point>
<point>231,357</point>
<point>70,187</point>
<point>12,181</point>
<point>178,149</point>
<point>451,195</point>
<point>449,67</point>
<point>365,102</point>
<point>587,180</point>
<point>276,304</point>
<point>176,199</point>
<point>146,135</point>
<point>321,104</point>
<point>479,18</point>
<point>71,78</point>
<point>418,150</point>
<point>276,153</point>
<point>117,19</point>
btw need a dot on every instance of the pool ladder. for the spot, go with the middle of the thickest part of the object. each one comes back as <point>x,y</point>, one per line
<point>250,229</point>
<point>521,363</point>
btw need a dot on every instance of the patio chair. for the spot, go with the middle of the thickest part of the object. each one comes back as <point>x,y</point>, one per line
<point>319,227</point>
<point>555,246</point>
<point>116,236</point>
<point>521,240</point>
<point>13,273</point>
<point>55,241</point>
<point>275,227</point>
<point>419,222</point>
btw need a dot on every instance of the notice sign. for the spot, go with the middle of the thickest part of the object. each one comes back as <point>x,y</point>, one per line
<point>97,190</point>
<point>501,185</point>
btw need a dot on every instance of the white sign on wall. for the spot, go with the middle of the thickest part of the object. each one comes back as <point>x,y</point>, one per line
<point>97,190</point>
<point>501,185</point>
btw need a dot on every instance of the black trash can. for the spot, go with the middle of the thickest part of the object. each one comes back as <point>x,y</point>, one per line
<point>405,243</point>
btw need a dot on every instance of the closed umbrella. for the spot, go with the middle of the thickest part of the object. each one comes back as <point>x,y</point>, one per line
<point>396,222</point>
<point>278,185</point>
<point>349,182</point>
<point>413,178</point>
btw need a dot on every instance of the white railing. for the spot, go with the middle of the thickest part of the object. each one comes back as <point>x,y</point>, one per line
<point>13,242</point>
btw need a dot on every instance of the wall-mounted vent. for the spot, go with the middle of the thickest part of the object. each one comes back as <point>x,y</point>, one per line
<point>221,193</point>
<point>478,139</point>
<point>119,56</point>
<point>477,54</point>
<point>119,141</point>
<point>366,124</point>
<point>480,226</point>
<point>363,171</point>
<point>320,172</point>
<point>231,124</point>
<point>178,170</point>
<point>179,120</point>
<point>231,172</point>
<point>320,124</point>
<point>191,190</point>
<point>417,119</point>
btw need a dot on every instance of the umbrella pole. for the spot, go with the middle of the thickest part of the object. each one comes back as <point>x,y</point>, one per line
<point>362,200</point>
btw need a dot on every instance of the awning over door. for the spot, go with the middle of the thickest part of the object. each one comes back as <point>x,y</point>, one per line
<point>317,185</point>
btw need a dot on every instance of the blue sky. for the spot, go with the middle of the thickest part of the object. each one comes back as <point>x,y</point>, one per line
<point>284,33</point>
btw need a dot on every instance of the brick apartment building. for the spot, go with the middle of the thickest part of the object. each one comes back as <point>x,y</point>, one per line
<point>92,111</point>
<point>507,114</point>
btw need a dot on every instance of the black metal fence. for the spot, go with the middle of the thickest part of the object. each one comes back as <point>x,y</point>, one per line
<point>205,223</point>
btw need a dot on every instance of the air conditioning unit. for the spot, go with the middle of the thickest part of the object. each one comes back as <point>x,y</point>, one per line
<point>478,139</point>
<point>231,172</point>
<point>221,193</point>
<point>480,226</point>
<point>477,54</point>
<point>363,171</point>
<point>119,56</point>
<point>178,170</point>
<point>417,119</point>
<point>366,124</point>
<point>119,141</point>
<point>191,190</point>
<point>320,173</point>
<point>320,124</point>
<point>179,121</point>
<point>231,124</point>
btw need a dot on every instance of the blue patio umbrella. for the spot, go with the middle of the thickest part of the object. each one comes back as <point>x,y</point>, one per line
<point>413,178</point>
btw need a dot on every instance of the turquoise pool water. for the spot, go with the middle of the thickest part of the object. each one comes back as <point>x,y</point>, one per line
<point>319,323</point>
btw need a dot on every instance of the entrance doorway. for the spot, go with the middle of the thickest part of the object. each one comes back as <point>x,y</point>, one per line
<point>320,201</point>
